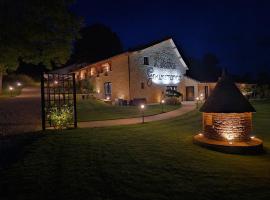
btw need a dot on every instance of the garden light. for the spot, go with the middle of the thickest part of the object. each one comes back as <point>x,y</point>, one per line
<point>162,104</point>
<point>142,110</point>
<point>19,84</point>
<point>197,102</point>
<point>10,90</point>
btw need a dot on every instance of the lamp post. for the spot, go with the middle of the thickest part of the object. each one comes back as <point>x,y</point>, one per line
<point>201,97</point>
<point>142,110</point>
<point>10,90</point>
<point>197,102</point>
<point>162,105</point>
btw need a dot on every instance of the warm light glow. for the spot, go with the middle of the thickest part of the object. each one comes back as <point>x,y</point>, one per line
<point>142,106</point>
<point>200,134</point>
<point>252,137</point>
<point>228,134</point>
<point>201,95</point>
<point>98,91</point>
<point>197,98</point>
<point>55,82</point>
<point>10,88</point>
<point>163,76</point>
<point>19,84</point>
<point>162,101</point>
<point>108,98</point>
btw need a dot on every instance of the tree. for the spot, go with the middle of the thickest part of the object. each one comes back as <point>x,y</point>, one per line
<point>96,43</point>
<point>205,69</point>
<point>36,31</point>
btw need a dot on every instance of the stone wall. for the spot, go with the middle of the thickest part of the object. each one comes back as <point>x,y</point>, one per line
<point>227,126</point>
<point>165,69</point>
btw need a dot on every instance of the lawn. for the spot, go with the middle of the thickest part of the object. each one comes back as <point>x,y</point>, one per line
<point>92,110</point>
<point>148,161</point>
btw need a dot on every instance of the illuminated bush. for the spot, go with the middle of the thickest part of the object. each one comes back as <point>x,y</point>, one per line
<point>61,117</point>
<point>172,97</point>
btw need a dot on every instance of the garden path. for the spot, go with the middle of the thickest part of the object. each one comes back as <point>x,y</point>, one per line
<point>185,108</point>
<point>22,113</point>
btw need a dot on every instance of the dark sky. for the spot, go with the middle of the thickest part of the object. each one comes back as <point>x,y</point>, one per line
<point>238,31</point>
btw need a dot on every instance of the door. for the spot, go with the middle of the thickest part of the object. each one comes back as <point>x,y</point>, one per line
<point>190,93</point>
<point>108,90</point>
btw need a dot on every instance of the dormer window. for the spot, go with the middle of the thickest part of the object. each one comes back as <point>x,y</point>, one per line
<point>145,60</point>
<point>106,67</point>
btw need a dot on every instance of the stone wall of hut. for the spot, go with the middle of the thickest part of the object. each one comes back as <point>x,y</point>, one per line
<point>227,126</point>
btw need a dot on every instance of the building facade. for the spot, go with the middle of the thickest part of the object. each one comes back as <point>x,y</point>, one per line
<point>144,73</point>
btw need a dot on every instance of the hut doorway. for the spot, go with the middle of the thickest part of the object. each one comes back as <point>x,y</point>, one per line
<point>190,93</point>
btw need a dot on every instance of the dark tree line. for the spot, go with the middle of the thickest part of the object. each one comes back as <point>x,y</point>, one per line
<point>36,32</point>
<point>97,42</point>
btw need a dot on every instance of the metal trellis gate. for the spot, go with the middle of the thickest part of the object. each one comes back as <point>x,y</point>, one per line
<point>57,90</point>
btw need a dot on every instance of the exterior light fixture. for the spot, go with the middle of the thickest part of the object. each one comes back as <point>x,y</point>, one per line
<point>201,96</point>
<point>55,82</point>
<point>252,137</point>
<point>10,90</point>
<point>197,102</point>
<point>107,98</point>
<point>142,106</point>
<point>200,134</point>
<point>19,84</point>
<point>162,105</point>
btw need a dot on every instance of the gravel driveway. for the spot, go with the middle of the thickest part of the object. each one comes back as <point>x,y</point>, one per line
<point>21,114</point>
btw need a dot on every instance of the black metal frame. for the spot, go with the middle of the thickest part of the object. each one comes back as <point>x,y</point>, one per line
<point>57,90</point>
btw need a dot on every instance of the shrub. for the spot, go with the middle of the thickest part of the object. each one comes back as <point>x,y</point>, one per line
<point>173,93</point>
<point>84,86</point>
<point>173,97</point>
<point>61,117</point>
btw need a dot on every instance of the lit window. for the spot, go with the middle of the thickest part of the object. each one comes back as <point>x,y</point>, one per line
<point>145,60</point>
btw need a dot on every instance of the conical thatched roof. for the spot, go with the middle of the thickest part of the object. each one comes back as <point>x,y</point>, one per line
<point>226,98</point>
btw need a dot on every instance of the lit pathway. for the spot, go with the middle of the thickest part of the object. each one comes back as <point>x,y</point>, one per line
<point>20,114</point>
<point>185,108</point>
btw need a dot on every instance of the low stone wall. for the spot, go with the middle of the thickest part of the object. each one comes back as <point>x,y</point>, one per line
<point>228,126</point>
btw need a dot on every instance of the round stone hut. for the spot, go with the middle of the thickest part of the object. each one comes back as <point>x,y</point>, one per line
<point>227,118</point>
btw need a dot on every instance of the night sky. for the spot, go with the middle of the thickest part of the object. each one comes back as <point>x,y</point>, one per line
<point>237,32</point>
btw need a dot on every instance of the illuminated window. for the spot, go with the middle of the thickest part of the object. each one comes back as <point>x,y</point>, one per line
<point>145,60</point>
<point>142,85</point>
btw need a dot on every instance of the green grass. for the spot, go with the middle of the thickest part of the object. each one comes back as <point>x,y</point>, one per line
<point>92,110</point>
<point>148,161</point>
